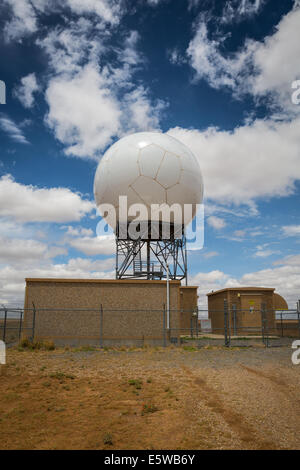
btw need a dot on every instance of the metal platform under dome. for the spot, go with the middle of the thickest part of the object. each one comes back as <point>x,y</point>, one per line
<point>148,258</point>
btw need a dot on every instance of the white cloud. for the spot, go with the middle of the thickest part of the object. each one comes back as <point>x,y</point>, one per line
<point>154,2</point>
<point>239,233</point>
<point>25,91</point>
<point>90,105</point>
<point>210,64</point>
<point>285,279</point>
<point>25,14</point>
<point>210,254</point>
<point>23,19</point>
<point>291,260</point>
<point>31,204</point>
<point>175,56</point>
<point>12,129</point>
<point>12,278</point>
<point>235,163</point>
<point>264,253</point>
<point>69,48</point>
<point>265,68</point>
<point>83,112</point>
<point>291,230</point>
<point>216,222</point>
<point>276,58</point>
<point>108,11</point>
<point>238,10</point>
<point>140,113</point>
<point>15,250</point>
<point>77,231</point>
<point>100,245</point>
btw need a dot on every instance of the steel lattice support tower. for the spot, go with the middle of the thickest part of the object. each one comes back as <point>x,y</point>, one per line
<point>148,258</point>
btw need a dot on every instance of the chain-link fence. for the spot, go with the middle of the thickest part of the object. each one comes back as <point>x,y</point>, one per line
<point>100,327</point>
<point>11,325</point>
<point>137,327</point>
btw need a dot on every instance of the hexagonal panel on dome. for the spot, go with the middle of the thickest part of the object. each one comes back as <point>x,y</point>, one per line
<point>138,140</point>
<point>149,190</point>
<point>180,195</point>
<point>124,167</point>
<point>150,158</point>
<point>101,181</point>
<point>169,143</point>
<point>169,170</point>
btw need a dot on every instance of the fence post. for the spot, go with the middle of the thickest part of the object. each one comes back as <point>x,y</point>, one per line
<point>234,319</point>
<point>4,325</point>
<point>20,324</point>
<point>226,332</point>
<point>192,326</point>
<point>298,314</point>
<point>33,322</point>
<point>281,324</point>
<point>101,326</point>
<point>164,327</point>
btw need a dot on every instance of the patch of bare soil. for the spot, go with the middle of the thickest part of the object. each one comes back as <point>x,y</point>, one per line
<point>150,399</point>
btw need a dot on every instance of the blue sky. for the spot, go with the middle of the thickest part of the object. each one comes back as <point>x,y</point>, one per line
<point>215,75</point>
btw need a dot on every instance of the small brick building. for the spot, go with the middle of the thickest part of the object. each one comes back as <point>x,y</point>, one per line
<point>245,306</point>
<point>106,312</point>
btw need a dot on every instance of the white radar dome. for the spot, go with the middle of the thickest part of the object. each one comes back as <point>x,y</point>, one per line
<point>149,168</point>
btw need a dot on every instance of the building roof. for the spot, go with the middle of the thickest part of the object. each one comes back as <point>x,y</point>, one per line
<point>101,281</point>
<point>250,289</point>
<point>279,302</point>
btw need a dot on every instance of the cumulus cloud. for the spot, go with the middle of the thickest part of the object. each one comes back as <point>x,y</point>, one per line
<point>23,19</point>
<point>83,112</point>
<point>262,68</point>
<point>285,279</point>
<point>208,62</point>
<point>12,278</point>
<point>89,104</point>
<point>77,231</point>
<point>263,252</point>
<point>27,203</point>
<point>216,222</point>
<point>291,260</point>
<point>13,130</point>
<point>70,47</point>
<point>235,163</point>
<point>25,14</point>
<point>291,230</point>
<point>16,251</point>
<point>109,11</point>
<point>26,90</point>
<point>100,245</point>
<point>86,115</point>
<point>238,10</point>
<point>141,114</point>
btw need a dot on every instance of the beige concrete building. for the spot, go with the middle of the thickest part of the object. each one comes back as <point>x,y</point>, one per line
<point>90,311</point>
<point>245,305</point>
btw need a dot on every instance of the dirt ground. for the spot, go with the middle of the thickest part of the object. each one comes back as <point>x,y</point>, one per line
<point>155,398</point>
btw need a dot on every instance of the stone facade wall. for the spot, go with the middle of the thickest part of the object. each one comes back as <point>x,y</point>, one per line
<point>68,311</point>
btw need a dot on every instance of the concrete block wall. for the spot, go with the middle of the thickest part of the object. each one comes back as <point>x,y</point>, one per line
<point>68,311</point>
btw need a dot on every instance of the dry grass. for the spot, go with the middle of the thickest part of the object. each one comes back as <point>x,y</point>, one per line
<point>150,399</point>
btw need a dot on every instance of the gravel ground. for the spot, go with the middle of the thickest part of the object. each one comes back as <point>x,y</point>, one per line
<point>152,398</point>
